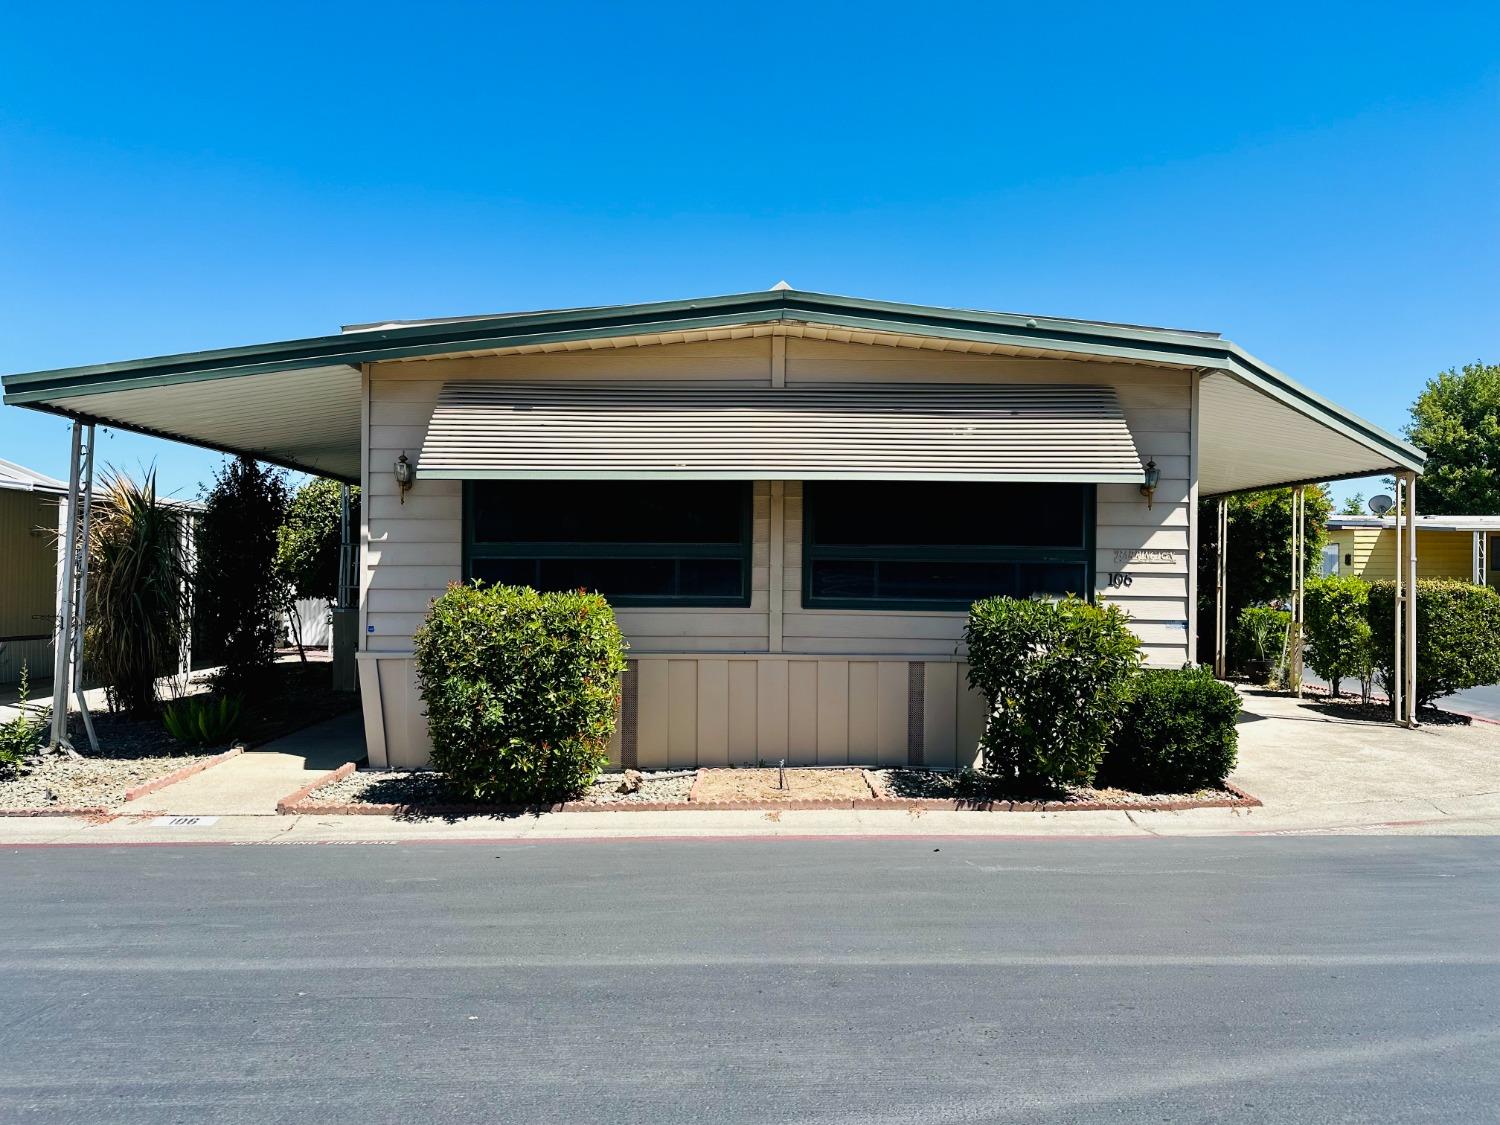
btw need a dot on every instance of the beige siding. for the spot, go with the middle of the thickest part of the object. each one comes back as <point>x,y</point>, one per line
<point>771,680</point>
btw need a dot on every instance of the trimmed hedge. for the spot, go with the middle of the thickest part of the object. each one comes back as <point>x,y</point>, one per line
<point>1177,733</point>
<point>1054,675</point>
<point>521,690</point>
<point>1458,635</point>
<point>1338,633</point>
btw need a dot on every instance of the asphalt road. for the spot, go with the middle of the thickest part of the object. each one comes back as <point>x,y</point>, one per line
<point>874,981</point>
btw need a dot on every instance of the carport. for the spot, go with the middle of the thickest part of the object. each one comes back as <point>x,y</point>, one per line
<point>307,404</point>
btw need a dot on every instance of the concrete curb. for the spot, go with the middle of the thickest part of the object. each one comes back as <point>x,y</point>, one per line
<point>178,774</point>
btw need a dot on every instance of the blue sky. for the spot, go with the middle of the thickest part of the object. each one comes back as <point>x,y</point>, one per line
<point>1319,185</point>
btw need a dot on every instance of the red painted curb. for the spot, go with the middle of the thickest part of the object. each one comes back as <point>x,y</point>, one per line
<point>178,774</point>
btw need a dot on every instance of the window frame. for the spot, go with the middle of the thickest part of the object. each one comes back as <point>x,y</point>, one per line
<point>1062,555</point>
<point>742,551</point>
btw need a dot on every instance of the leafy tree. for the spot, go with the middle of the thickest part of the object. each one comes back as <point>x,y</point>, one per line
<point>1456,422</point>
<point>307,552</point>
<point>1260,551</point>
<point>239,591</point>
<point>1354,506</point>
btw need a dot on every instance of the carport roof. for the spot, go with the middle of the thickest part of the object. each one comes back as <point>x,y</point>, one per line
<point>297,402</point>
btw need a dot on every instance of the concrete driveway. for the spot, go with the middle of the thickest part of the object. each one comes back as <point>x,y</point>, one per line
<point>1311,768</point>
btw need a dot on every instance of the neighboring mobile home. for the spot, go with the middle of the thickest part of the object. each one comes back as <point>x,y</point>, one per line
<point>28,571</point>
<point>1447,547</point>
<point>791,498</point>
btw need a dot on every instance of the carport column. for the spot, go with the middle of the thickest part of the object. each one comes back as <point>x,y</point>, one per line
<point>1221,607</point>
<point>1299,506</point>
<point>1411,599</point>
<point>72,589</point>
<point>1398,614</point>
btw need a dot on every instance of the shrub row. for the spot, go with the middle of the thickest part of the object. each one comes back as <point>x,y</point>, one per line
<point>1350,634</point>
<point>1069,704</point>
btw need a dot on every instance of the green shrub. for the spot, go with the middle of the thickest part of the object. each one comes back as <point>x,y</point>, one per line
<point>203,720</point>
<point>1458,636</point>
<point>521,689</point>
<point>1177,733</point>
<point>1338,634</point>
<point>1260,633</point>
<point>1054,675</point>
<point>24,735</point>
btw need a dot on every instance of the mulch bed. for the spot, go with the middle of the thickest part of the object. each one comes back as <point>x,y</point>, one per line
<point>416,794</point>
<point>1350,708</point>
<point>950,790</point>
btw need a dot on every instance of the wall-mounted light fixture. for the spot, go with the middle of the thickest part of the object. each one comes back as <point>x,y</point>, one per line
<point>1151,480</point>
<point>406,473</point>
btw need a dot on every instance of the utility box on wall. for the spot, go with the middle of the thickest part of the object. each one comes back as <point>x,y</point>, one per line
<point>345,642</point>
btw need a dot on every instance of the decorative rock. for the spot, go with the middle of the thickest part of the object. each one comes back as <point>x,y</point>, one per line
<point>631,783</point>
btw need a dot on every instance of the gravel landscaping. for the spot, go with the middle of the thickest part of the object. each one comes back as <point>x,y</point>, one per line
<point>976,788</point>
<point>70,783</point>
<point>418,788</point>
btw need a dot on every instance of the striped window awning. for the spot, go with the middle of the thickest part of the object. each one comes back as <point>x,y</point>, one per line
<point>719,431</point>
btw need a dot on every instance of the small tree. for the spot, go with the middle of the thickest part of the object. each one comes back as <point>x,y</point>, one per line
<point>1054,675</point>
<point>138,585</point>
<point>239,592</point>
<point>307,551</point>
<point>1337,629</point>
<point>1456,421</point>
<point>1354,506</point>
<point>1458,636</point>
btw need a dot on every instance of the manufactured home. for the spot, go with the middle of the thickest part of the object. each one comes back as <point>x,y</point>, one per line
<point>28,570</point>
<point>790,498</point>
<point>1462,547</point>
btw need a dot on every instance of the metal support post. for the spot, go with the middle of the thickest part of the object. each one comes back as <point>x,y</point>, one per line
<point>72,602</point>
<point>1221,591</point>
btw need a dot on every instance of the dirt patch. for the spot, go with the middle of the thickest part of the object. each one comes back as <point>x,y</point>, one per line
<point>1351,709</point>
<point>764,785</point>
<point>418,789</point>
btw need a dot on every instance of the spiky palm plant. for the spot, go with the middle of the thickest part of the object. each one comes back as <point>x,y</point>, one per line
<point>138,590</point>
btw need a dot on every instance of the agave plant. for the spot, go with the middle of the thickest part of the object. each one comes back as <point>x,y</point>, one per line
<point>203,720</point>
<point>138,590</point>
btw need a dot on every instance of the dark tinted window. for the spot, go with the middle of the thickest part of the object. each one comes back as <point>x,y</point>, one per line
<point>636,542</point>
<point>920,545</point>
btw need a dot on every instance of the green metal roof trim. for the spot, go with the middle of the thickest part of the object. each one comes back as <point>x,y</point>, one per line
<point>1161,345</point>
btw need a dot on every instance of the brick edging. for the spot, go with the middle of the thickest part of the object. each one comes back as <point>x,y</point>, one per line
<point>178,774</point>
<point>290,802</point>
<point>89,811</point>
<point>297,804</point>
<point>133,792</point>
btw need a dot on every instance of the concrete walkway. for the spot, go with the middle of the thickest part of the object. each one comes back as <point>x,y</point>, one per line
<point>251,784</point>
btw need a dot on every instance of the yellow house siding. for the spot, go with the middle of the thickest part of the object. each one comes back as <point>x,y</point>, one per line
<point>1440,554</point>
<point>28,581</point>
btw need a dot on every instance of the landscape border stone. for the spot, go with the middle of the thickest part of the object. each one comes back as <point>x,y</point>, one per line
<point>297,804</point>
<point>137,791</point>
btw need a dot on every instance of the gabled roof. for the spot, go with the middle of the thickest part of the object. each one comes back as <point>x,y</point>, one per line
<point>306,398</point>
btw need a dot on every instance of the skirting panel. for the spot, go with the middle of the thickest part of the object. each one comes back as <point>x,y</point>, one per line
<point>683,712</point>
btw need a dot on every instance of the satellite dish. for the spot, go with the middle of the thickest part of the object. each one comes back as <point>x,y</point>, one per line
<point>1380,504</point>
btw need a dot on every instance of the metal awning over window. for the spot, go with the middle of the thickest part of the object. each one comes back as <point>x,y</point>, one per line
<point>1030,432</point>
